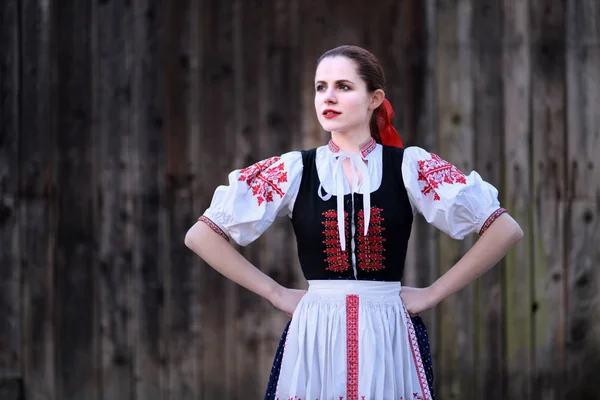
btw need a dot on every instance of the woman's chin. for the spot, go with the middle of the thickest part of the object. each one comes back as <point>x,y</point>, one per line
<point>331,127</point>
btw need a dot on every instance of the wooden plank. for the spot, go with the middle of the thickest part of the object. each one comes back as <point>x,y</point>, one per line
<point>38,198</point>
<point>229,49</point>
<point>583,199</point>
<point>247,372</point>
<point>196,152</point>
<point>75,249</point>
<point>454,83</point>
<point>11,357</point>
<point>216,121</point>
<point>583,349</point>
<point>417,80</point>
<point>115,219</point>
<point>548,174</point>
<point>407,104</point>
<point>516,197</point>
<point>583,96</point>
<point>279,111</point>
<point>488,119</point>
<point>421,267</point>
<point>182,287</point>
<point>147,116</point>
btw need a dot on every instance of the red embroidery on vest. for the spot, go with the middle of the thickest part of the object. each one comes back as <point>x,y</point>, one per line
<point>370,248</point>
<point>334,256</point>
<point>265,179</point>
<point>436,172</point>
<point>352,347</point>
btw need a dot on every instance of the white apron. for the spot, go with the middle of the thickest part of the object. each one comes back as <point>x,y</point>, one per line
<point>352,340</point>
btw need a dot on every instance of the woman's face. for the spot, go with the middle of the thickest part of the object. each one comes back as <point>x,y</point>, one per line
<point>342,101</point>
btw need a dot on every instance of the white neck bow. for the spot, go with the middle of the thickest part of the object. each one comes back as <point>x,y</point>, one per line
<point>338,180</point>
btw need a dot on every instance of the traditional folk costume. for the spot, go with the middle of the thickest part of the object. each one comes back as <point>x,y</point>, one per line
<point>350,337</point>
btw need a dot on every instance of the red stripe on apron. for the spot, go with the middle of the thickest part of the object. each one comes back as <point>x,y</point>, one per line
<point>352,347</point>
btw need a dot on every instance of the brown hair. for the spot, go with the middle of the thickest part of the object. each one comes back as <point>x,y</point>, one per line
<point>369,69</point>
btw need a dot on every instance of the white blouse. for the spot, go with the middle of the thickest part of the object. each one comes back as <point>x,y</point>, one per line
<point>456,204</point>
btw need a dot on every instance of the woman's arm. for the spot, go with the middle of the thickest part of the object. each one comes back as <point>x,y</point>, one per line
<point>487,251</point>
<point>225,259</point>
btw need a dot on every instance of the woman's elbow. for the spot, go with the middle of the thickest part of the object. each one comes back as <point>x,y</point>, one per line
<point>507,228</point>
<point>188,240</point>
<point>192,237</point>
<point>518,233</point>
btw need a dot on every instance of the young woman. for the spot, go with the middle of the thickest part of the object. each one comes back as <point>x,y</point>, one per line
<point>351,335</point>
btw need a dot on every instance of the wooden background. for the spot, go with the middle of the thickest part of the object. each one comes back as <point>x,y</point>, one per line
<point>120,117</point>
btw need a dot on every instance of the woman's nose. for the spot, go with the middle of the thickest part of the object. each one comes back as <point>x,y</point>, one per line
<point>330,96</point>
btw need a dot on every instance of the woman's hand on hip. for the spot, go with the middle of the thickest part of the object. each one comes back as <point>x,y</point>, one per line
<point>417,300</point>
<point>287,299</point>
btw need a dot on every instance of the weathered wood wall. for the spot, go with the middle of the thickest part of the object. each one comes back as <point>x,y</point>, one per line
<point>119,118</point>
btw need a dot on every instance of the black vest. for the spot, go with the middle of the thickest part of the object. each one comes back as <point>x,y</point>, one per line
<point>381,254</point>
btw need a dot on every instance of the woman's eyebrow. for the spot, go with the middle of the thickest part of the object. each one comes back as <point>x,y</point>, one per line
<point>338,81</point>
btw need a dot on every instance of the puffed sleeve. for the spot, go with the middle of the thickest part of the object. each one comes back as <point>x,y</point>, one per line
<point>456,204</point>
<point>255,196</point>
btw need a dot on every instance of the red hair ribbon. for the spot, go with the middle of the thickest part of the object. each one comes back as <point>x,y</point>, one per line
<point>389,135</point>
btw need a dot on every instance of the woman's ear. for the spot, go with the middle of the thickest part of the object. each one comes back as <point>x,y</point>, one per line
<point>376,99</point>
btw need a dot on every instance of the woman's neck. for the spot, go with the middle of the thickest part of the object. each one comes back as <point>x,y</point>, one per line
<point>350,143</point>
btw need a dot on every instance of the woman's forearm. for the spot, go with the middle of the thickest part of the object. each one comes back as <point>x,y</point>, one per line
<point>487,251</point>
<point>225,259</point>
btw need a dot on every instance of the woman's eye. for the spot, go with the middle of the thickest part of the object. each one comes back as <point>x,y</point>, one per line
<point>344,87</point>
<point>319,88</point>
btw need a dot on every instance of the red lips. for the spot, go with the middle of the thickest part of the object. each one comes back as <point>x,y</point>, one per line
<point>330,113</point>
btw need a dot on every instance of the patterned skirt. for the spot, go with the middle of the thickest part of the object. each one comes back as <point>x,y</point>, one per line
<point>352,340</point>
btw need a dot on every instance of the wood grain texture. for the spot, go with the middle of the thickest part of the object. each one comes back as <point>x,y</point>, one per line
<point>216,137</point>
<point>115,175</point>
<point>148,203</point>
<point>455,108</point>
<point>75,250</point>
<point>38,196</point>
<point>488,116</point>
<point>11,336</point>
<point>270,76</point>
<point>181,281</point>
<point>583,198</point>
<point>548,182</point>
<point>517,197</point>
<point>421,266</point>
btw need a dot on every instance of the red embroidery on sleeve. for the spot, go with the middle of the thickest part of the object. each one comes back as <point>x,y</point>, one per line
<point>435,172</point>
<point>265,179</point>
